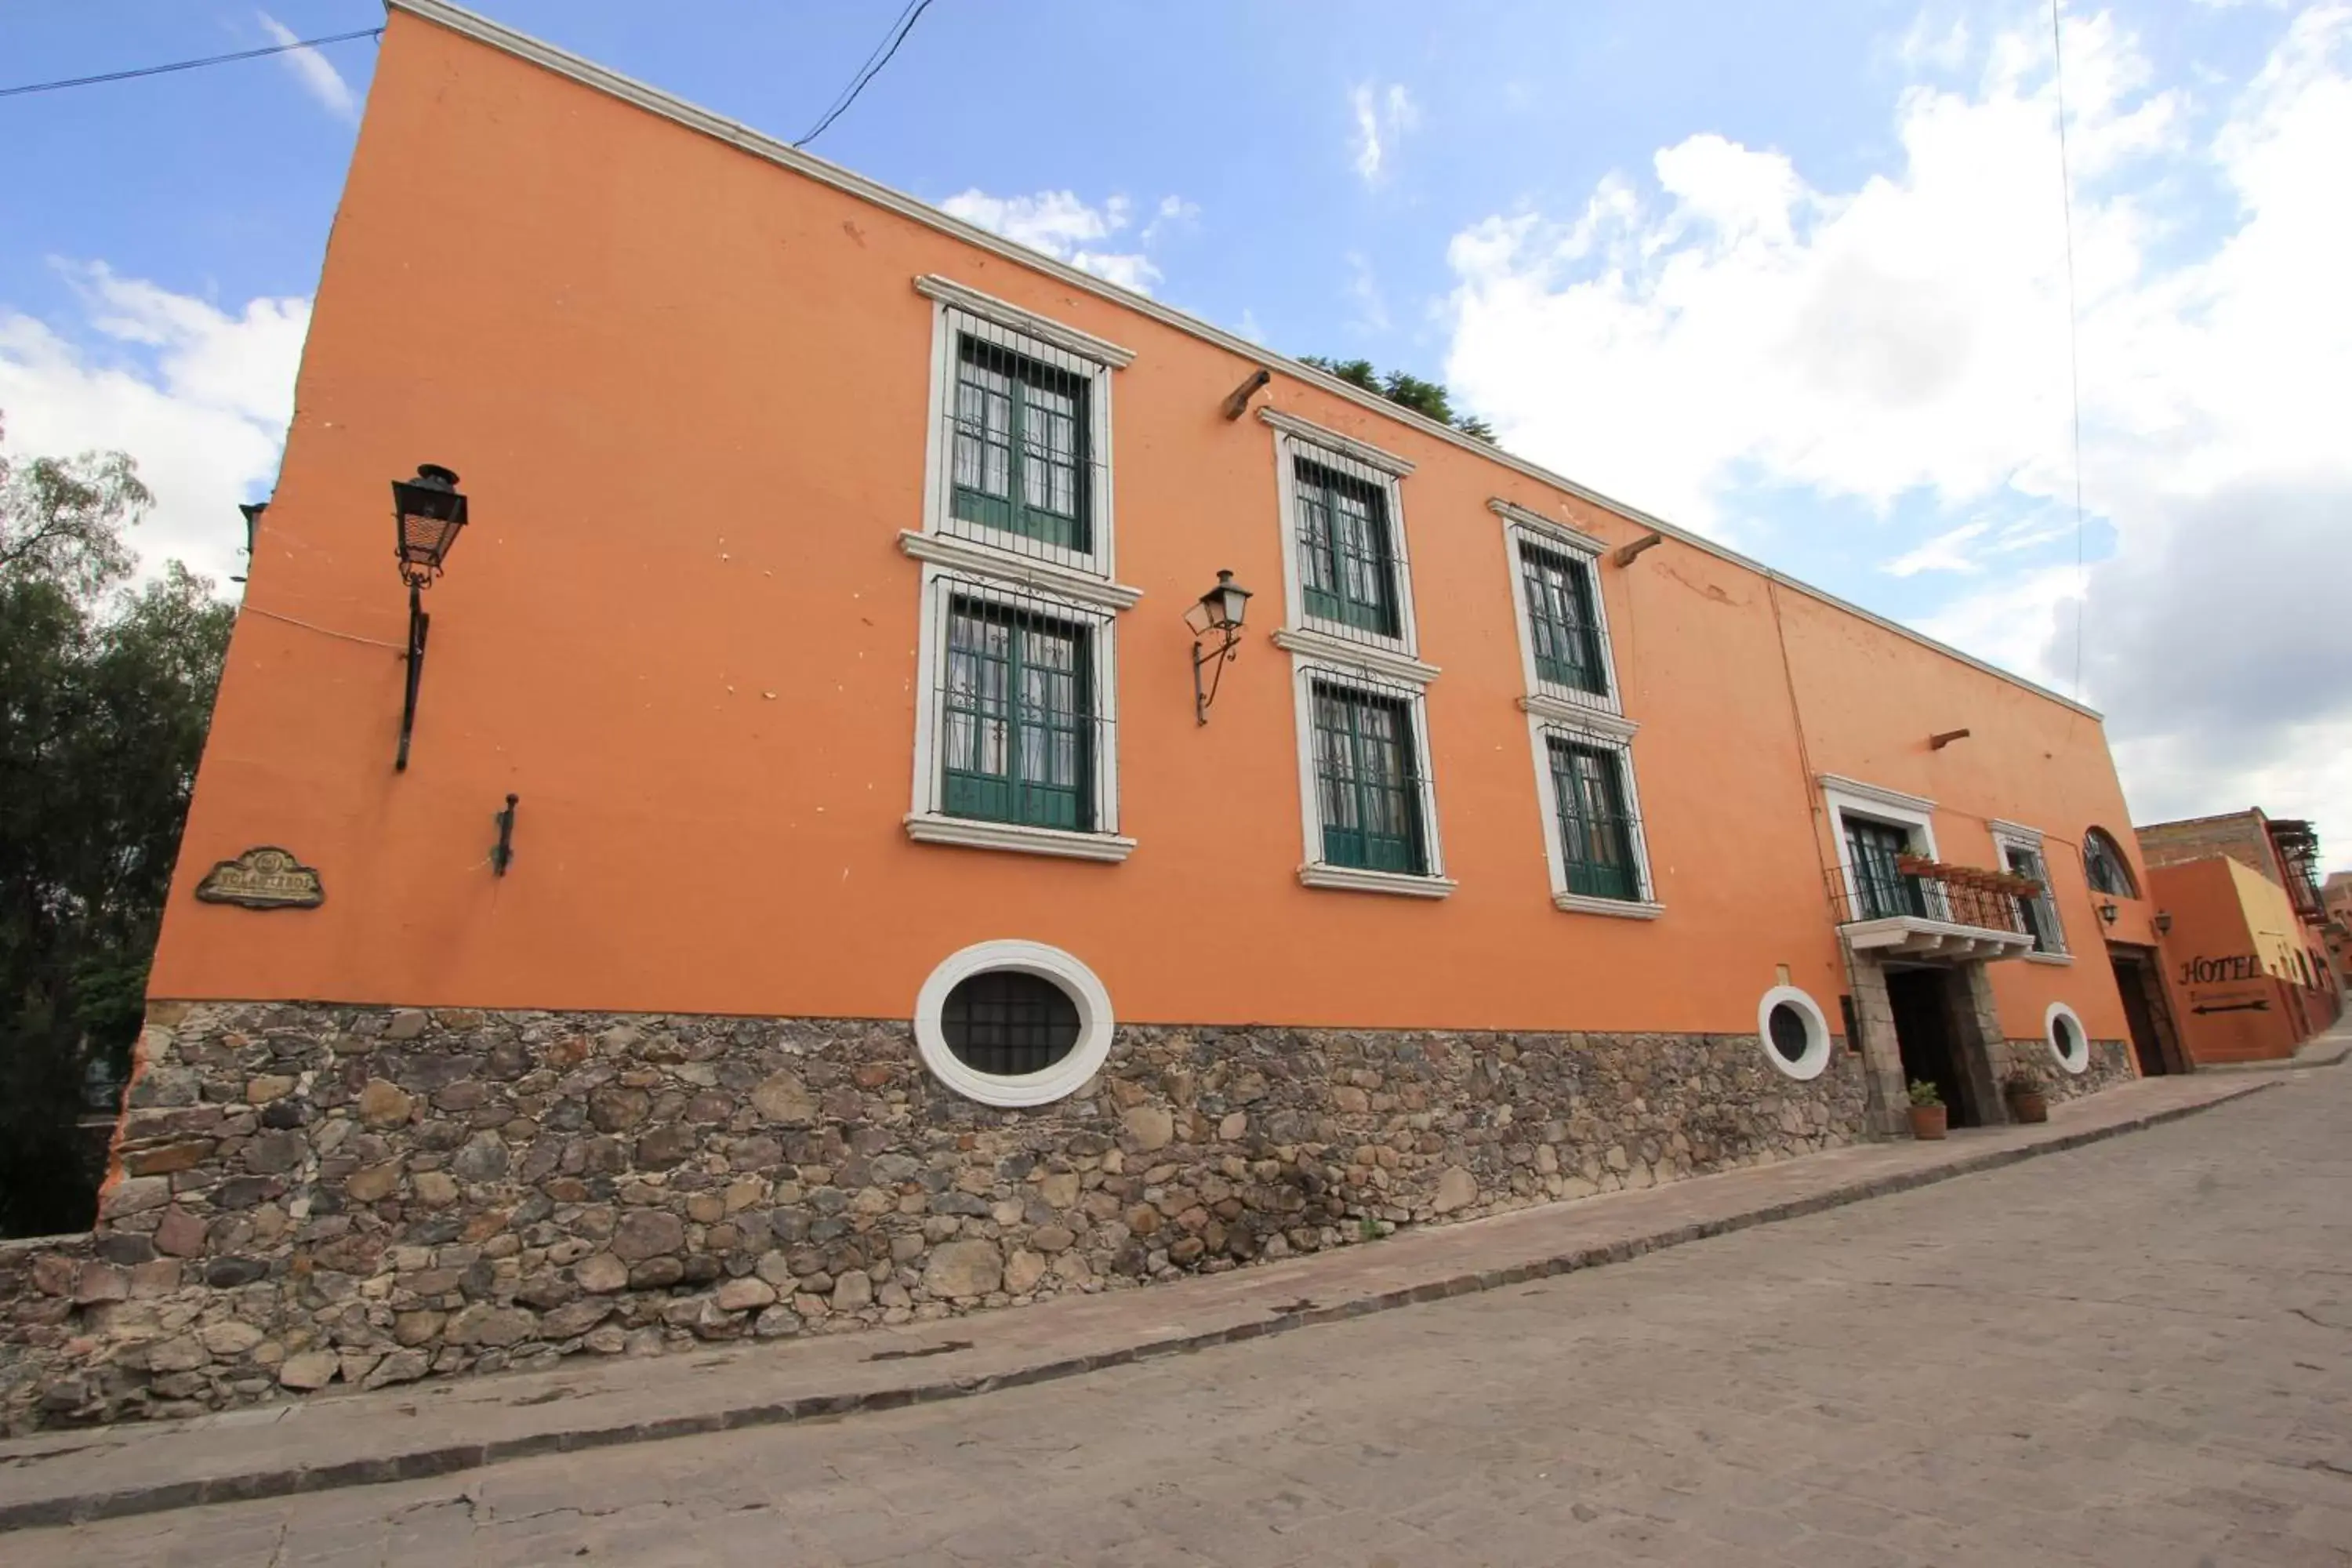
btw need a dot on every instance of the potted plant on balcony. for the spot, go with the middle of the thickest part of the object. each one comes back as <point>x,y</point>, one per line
<point>2027,1100</point>
<point>1927,1113</point>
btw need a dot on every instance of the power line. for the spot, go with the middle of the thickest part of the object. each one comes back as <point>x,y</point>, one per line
<point>874,66</point>
<point>2073,331</point>
<point>187,64</point>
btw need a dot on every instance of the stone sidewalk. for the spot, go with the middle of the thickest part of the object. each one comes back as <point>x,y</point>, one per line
<point>430,1430</point>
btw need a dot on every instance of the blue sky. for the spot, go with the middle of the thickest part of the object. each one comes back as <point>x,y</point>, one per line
<point>1792,275</point>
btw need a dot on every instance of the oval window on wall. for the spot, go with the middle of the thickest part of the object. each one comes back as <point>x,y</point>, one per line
<point>1012,1023</point>
<point>1008,1023</point>
<point>1794,1033</point>
<point>2067,1041</point>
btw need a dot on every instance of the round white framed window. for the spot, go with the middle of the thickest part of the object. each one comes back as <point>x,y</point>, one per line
<point>2063,1027</point>
<point>1012,1023</point>
<point>1794,1033</point>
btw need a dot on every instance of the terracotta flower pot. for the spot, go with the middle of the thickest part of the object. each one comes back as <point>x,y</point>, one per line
<point>1928,1121</point>
<point>2028,1105</point>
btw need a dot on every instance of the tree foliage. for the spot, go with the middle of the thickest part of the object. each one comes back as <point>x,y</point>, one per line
<point>105,692</point>
<point>1427,398</point>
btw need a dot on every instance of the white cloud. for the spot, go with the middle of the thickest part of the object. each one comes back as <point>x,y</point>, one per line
<point>1941,553</point>
<point>1070,230</point>
<point>201,398</point>
<point>1737,326</point>
<point>1383,116</point>
<point>317,74</point>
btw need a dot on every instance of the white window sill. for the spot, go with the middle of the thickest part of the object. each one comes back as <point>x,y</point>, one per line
<point>1385,657</point>
<point>2047,957</point>
<point>1355,879</point>
<point>1074,578</point>
<point>1594,715</point>
<point>1623,908</point>
<point>969,833</point>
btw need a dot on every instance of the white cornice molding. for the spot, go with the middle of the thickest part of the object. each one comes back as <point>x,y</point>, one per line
<point>1558,533</point>
<point>1006,566</point>
<point>1322,648</point>
<point>2015,832</point>
<point>988,307</point>
<point>482,30</point>
<point>970,833</point>
<point>1355,879</point>
<point>1347,445</point>
<point>1560,711</point>
<point>1877,795</point>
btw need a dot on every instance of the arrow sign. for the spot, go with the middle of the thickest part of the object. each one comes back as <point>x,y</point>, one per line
<point>2232,1007</point>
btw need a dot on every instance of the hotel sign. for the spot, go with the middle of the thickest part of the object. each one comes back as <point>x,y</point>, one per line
<point>263,878</point>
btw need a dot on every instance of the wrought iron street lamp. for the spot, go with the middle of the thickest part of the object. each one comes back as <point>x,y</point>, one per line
<point>430,511</point>
<point>1217,613</point>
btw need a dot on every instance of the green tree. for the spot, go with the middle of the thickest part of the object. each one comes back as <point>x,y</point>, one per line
<point>105,692</point>
<point>1427,398</point>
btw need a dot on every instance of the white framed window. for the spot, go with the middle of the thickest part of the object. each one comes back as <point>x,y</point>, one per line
<point>1367,804</point>
<point>1016,721</point>
<point>1016,662</point>
<point>1794,1033</point>
<point>1017,454</point>
<point>1563,621</point>
<point>1875,828</point>
<point>1347,572</point>
<point>1593,843</point>
<point>1582,743</point>
<point>2020,849</point>
<point>2061,1026</point>
<point>1012,1023</point>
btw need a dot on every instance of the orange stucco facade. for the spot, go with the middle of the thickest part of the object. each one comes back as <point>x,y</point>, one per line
<point>686,387</point>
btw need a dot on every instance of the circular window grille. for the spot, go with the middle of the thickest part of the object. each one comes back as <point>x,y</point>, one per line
<point>2068,1042</point>
<point>1795,1035</point>
<point>1012,1023</point>
<point>1790,1036</point>
<point>1009,1023</point>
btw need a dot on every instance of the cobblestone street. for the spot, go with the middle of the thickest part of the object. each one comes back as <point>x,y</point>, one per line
<point>2132,1353</point>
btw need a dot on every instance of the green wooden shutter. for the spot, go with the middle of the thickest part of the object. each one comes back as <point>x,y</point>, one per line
<point>1347,561</point>
<point>1596,829</point>
<point>1367,784</point>
<point>1020,435</point>
<point>1017,735</point>
<point>1564,630</point>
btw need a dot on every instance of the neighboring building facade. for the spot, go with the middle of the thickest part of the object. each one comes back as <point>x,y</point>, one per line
<point>885,935</point>
<point>2248,940</point>
<point>2335,903</point>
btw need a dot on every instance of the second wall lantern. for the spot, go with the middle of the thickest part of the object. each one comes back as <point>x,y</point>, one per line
<point>429,511</point>
<point>1218,613</point>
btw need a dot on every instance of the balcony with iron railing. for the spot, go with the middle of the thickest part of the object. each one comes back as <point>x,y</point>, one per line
<point>1917,907</point>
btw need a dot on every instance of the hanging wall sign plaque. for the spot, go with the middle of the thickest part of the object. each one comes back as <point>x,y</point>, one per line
<point>263,878</point>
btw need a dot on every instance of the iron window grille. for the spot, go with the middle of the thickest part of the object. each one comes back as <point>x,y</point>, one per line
<point>1021,728</point>
<point>1564,631</point>
<point>1602,854</point>
<point>1009,1022</point>
<point>2104,867</point>
<point>1371,795</point>
<point>1022,437</point>
<point>1881,889</point>
<point>2040,911</point>
<point>1348,558</point>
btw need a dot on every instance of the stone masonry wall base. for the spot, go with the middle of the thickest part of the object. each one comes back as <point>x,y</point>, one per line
<point>312,1195</point>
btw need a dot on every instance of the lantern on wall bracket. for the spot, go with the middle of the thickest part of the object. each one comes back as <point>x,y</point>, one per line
<point>1217,614</point>
<point>2109,911</point>
<point>429,511</point>
<point>2163,923</point>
